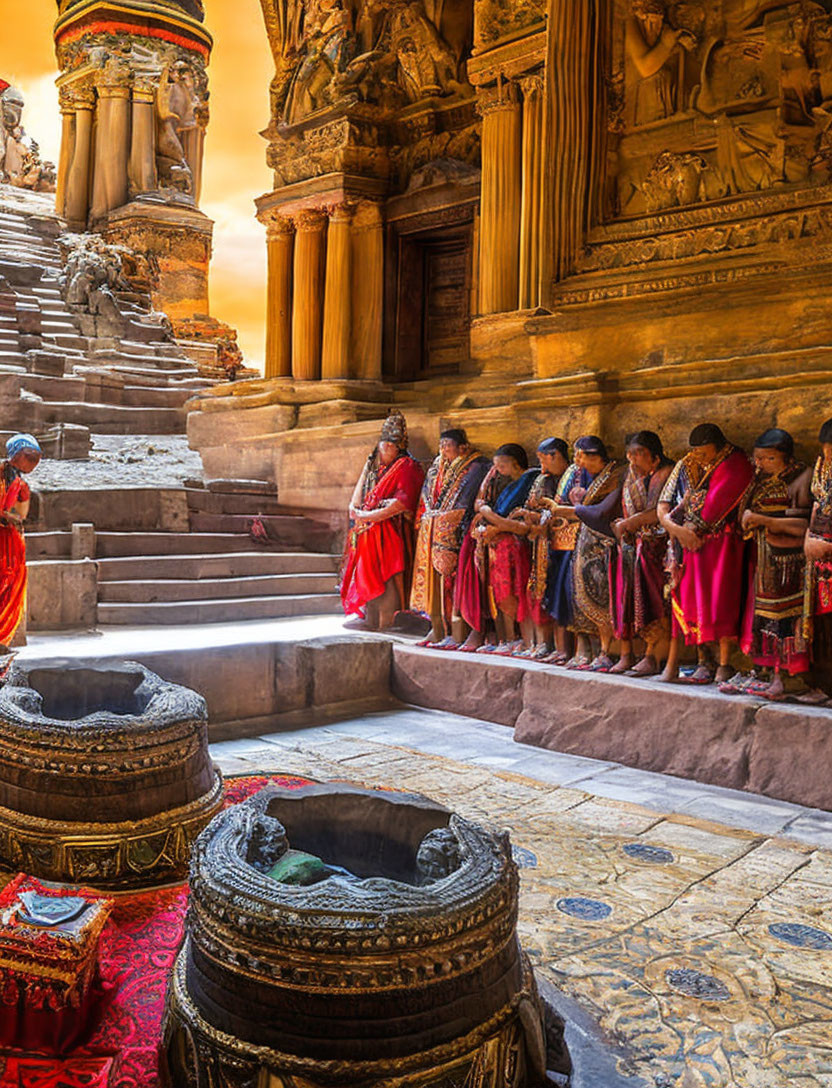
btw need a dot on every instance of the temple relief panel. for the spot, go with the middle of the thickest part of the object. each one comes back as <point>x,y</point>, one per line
<point>712,98</point>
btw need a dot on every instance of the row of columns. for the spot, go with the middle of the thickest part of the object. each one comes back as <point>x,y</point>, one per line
<point>325,293</point>
<point>511,204</point>
<point>108,147</point>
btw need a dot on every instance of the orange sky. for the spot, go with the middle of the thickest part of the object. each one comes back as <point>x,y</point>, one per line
<point>235,164</point>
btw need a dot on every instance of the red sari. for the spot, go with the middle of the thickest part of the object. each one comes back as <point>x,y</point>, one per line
<point>709,597</point>
<point>13,574</point>
<point>379,551</point>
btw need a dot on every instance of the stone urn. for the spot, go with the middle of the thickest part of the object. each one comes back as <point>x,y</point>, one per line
<point>105,776</point>
<point>345,936</point>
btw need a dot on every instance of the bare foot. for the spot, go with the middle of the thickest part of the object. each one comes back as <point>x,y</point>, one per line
<point>624,663</point>
<point>648,666</point>
<point>473,642</point>
<point>669,676</point>
<point>723,674</point>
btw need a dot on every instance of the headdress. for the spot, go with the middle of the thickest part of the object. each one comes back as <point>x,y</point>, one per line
<point>395,429</point>
<point>20,442</point>
<point>4,86</point>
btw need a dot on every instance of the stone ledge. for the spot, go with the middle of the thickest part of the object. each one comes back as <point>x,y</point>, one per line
<point>781,751</point>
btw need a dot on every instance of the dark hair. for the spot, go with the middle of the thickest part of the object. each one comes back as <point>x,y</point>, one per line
<point>591,443</point>
<point>825,435</point>
<point>456,435</point>
<point>511,449</point>
<point>649,440</point>
<point>775,439</point>
<point>554,445</point>
<point>707,434</point>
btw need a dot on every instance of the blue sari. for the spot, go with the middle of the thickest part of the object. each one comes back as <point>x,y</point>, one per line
<point>516,494</point>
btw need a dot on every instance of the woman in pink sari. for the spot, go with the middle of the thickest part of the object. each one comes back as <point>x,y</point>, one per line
<point>700,509</point>
<point>378,562</point>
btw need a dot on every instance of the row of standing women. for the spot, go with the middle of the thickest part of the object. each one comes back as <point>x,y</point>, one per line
<point>596,564</point>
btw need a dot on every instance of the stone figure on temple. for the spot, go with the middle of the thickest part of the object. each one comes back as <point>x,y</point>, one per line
<point>174,117</point>
<point>427,66</point>
<point>23,454</point>
<point>700,510</point>
<point>653,48</point>
<point>446,510</point>
<point>20,161</point>
<point>378,560</point>
<point>327,46</point>
<point>637,570</point>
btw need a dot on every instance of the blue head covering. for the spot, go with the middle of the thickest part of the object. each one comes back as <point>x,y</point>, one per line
<point>20,442</point>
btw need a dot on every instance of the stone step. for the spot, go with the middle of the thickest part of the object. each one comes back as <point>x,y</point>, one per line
<point>12,358</point>
<point>114,418</point>
<point>222,565</point>
<point>166,590</point>
<point>234,609</point>
<point>288,530</point>
<point>111,545</point>
<point>54,388</point>
<point>211,502</point>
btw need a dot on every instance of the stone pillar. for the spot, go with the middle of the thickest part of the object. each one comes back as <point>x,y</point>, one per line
<point>198,153</point>
<point>531,201</point>
<point>280,242</point>
<point>500,202</point>
<point>367,292</point>
<point>112,141</point>
<point>335,359</point>
<point>77,202</point>
<point>308,294</point>
<point>142,172</point>
<point>67,150</point>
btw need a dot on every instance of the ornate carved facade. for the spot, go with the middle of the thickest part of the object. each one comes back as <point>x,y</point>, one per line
<point>638,192</point>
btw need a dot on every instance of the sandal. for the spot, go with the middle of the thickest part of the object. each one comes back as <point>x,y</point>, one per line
<point>559,657</point>
<point>602,663</point>
<point>578,663</point>
<point>702,675</point>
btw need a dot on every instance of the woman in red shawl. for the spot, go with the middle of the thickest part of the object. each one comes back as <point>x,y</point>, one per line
<point>699,508</point>
<point>378,564</point>
<point>24,454</point>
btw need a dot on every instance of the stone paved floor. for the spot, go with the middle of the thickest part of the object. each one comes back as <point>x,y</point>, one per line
<point>693,923</point>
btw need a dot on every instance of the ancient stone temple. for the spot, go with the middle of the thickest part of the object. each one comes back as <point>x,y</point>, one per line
<point>521,218</point>
<point>134,100</point>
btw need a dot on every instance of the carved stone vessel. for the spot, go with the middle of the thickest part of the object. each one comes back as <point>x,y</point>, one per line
<point>105,776</point>
<point>399,964</point>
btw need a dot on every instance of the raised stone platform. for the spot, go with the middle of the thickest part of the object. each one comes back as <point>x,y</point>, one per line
<point>779,750</point>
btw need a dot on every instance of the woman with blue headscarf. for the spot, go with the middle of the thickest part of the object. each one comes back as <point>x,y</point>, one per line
<point>22,455</point>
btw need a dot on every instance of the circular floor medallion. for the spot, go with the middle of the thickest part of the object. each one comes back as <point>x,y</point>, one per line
<point>588,910</point>
<point>802,936</point>
<point>523,858</point>
<point>685,980</point>
<point>646,852</point>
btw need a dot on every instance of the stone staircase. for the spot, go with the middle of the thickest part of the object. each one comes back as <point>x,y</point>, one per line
<point>183,578</point>
<point>67,372</point>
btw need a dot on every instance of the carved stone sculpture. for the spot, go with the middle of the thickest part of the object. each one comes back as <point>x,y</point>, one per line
<point>175,117</point>
<point>105,777</point>
<point>399,961</point>
<point>20,161</point>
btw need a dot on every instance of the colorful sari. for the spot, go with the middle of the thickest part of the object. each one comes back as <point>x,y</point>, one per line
<point>817,606</point>
<point>594,549</point>
<point>559,601</point>
<point>508,563</point>
<point>637,570</point>
<point>13,575</point>
<point>379,551</point>
<point>447,506</point>
<point>540,552</point>
<point>709,594</point>
<point>773,635</point>
<point>471,590</point>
